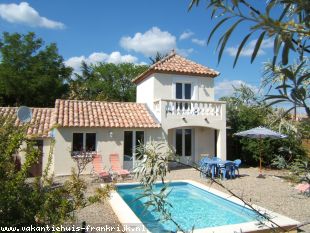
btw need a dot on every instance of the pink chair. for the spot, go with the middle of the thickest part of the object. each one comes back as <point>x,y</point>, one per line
<point>98,169</point>
<point>116,166</point>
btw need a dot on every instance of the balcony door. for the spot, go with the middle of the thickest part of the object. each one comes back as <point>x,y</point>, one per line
<point>183,91</point>
<point>183,143</point>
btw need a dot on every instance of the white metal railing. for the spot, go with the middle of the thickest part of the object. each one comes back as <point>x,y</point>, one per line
<point>189,107</point>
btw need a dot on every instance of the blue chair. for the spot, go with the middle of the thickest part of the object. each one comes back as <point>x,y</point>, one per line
<point>204,166</point>
<point>227,169</point>
<point>237,163</point>
<point>216,159</point>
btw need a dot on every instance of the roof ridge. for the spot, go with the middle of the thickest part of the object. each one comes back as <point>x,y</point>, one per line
<point>14,107</point>
<point>177,64</point>
<point>101,101</point>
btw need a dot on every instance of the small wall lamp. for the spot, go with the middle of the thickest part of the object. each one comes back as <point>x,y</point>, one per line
<point>111,134</point>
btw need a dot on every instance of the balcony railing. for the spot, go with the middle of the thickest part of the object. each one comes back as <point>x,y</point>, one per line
<point>189,107</point>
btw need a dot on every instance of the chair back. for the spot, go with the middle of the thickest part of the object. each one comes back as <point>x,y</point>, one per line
<point>229,164</point>
<point>115,163</point>
<point>237,162</point>
<point>97,163</point>
<point>216,159</point>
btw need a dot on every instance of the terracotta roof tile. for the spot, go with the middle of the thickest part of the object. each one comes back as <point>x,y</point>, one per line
<point>79,113</point>
<point>177,64</point>
<point>41,122</point>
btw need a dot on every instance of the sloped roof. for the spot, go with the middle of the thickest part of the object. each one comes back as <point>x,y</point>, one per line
<point>79,113</point>
<point>41,122</point>
<point>176,64</point>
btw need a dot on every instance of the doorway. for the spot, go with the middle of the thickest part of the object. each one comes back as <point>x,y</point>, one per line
<point>36,169</point>
<point>183,144</point>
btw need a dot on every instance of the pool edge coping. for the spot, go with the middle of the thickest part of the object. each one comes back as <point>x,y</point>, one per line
<point>127,216</point>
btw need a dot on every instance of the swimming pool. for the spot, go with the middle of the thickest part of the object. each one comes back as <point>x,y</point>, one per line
<point>193,205</point>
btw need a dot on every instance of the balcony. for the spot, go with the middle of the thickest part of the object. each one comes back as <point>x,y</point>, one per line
<point>193,109</point>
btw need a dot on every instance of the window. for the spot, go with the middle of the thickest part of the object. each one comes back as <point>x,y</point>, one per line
<point>188,142</point>
<point>179,91</point>
<point>187,91</point>
<point>77,142</point>
<point>128,145</point>
<point>183,91</point>
<point>183,142</point>
<point>90,142</point>
<point>139,141</point>
<point>132,139</point>
<point>84,142</point>
<point>178,142</point>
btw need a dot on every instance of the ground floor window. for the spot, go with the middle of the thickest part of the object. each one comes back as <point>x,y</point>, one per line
<point>84,142</point>
<point>183,142</point>
<point>132,139</point>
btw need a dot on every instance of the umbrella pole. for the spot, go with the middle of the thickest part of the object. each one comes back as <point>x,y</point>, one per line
<point>260,159</point>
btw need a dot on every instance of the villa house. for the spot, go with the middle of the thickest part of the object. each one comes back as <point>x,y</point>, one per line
<point>175,104</point>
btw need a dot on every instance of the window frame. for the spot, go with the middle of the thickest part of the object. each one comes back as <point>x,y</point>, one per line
<point>183,141</point>
<point>183,84</point>
<point>84,142</point>
<point>133,143</point>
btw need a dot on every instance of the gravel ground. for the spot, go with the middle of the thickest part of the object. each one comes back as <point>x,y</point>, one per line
<point>273,193</point>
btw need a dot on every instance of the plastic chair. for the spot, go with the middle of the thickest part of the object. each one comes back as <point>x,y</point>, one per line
<point>116,166</point>
<point>204,166</point>
<point>237,163</point>
<point>227,170</point>
<point>216,159</point>
<point>98,169</point>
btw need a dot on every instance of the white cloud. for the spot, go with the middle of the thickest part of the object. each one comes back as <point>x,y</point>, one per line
<point>249,48</point>
<point>185,35</point>
<point>114,57</point>
<point>199,42</point>
<point>25,14</point>
<point>185,52</point>
<point>226,87</point>
<point>150,42</point>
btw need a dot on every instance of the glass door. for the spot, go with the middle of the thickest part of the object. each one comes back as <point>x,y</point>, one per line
<point>183,92</point>
<point>183,145</point>
<point>132,139</point>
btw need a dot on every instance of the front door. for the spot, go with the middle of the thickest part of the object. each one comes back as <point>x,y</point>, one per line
<point>184,145</point>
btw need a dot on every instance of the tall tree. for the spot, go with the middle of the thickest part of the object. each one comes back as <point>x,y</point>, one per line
<point>106,81</point>
<point>31,74</point>
<point>284,21</point>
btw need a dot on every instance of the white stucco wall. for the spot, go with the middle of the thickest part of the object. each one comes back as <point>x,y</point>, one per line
<point>145,92</point>
<point>105,145</point>
<point>164,86</point>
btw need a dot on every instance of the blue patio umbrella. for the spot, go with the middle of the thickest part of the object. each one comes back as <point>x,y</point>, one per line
<point>260,133</point>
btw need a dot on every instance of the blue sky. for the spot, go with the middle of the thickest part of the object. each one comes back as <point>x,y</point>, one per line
<point>131,31</point>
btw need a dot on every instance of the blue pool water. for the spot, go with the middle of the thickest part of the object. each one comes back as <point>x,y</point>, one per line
<point>191,207</point>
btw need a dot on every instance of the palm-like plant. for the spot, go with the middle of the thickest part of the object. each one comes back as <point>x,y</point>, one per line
<point>285,21</point>
<point>292,83</point>
<point>157,57</point>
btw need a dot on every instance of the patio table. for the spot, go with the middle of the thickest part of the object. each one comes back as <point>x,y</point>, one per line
<point>215,166</point>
